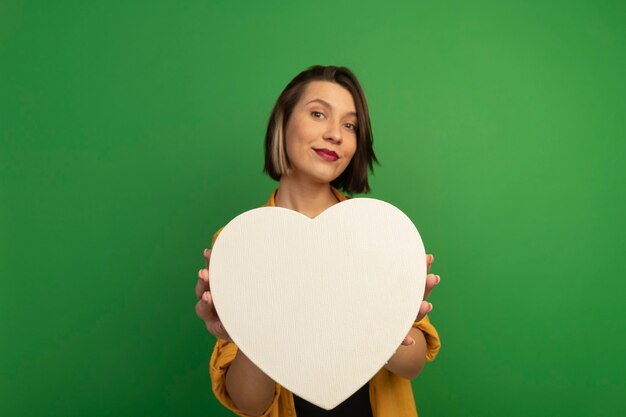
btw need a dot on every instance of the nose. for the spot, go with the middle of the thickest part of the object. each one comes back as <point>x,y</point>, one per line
<point>333,133</point>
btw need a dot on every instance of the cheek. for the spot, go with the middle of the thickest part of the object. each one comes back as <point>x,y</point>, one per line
<point>295,147</point>
<point>297,133</point>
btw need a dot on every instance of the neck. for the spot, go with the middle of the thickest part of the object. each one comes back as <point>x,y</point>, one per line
<point>308,198</point>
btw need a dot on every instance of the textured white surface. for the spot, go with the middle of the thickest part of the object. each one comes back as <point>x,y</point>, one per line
<point>319,304</point>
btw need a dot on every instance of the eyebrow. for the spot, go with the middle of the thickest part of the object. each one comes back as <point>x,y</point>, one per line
<point>327,104</point>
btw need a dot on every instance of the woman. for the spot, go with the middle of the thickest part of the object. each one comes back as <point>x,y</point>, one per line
<point>318,141</point>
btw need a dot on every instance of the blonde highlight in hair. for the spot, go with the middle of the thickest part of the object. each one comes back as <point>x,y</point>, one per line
<point>280,161</point>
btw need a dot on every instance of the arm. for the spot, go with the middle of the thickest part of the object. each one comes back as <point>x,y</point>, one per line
<point>234,389</point>
<point>408,361</point>
<point>250,389</point>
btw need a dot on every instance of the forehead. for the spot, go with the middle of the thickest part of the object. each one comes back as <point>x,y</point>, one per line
<point>334,94</point>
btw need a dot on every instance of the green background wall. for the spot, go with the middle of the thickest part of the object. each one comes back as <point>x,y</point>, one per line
<point>131,131</point>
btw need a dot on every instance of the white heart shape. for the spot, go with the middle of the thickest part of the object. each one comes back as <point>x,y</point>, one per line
<point>319,304</point>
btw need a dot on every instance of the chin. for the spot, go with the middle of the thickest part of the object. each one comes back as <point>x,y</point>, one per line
<point>322,178</point>
<point>321,174</point>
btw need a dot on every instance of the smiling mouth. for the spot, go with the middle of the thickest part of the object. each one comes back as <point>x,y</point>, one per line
<point>326,154</point>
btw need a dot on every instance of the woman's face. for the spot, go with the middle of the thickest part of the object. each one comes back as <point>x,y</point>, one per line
<point>321,132</point>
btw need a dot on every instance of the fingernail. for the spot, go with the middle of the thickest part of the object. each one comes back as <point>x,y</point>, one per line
<point>431,307</point>
<point>438,280</point>
<point>206,252</point>
<point>412,341</point>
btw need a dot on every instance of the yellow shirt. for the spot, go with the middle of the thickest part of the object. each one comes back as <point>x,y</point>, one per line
<point>390,395</point>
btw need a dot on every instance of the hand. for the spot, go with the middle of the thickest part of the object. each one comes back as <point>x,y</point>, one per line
<point>426,307</point>
<point>205,309</point>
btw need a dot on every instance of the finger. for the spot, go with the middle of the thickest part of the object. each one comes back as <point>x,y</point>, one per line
<point>203,282</point>
<point>431,281</point>
<point>408,341</point>
<point>429,261</point>
<point>206,311</point>
<point>205,308</point>
<point>425,308</point>
<point>207,256</point>
<point>222,333</point>
<point>216,327</point>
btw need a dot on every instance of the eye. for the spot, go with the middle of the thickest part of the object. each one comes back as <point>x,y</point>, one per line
<point>352,126</point>
<point>314,112</point>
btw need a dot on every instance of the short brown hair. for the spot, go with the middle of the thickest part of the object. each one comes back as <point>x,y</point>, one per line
<point>354,178</point>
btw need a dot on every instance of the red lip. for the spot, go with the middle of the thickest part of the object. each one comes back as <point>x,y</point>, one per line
<point>327,153</point>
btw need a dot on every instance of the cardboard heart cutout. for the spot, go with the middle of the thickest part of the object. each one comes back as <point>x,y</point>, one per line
<point>319,305</point>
